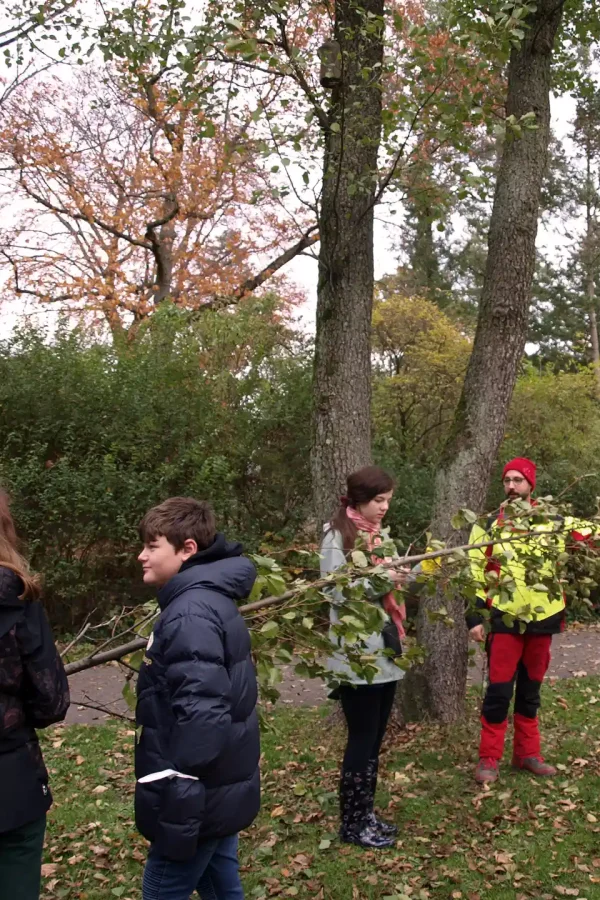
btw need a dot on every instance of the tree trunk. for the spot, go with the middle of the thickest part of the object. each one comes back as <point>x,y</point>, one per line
<point>594,336</point>
<point>590,286</point>
<point>342,368</point>
<point>438,689</point>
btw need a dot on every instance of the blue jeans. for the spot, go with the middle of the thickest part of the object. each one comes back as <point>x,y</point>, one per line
<point>213,872</point>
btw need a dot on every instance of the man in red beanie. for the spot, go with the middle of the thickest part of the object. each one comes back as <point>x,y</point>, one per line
<point>520,634</point>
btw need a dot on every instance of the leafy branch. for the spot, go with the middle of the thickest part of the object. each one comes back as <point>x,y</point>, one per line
<point>290,625</point>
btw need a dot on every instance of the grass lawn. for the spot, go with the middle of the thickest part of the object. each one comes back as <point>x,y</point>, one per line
<point>521,839</point>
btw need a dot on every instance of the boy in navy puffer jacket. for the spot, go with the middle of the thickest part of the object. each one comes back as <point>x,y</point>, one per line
<point>197,748</point>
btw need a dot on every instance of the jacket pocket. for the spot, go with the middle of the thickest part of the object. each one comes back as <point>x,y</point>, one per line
<point>182,805</point>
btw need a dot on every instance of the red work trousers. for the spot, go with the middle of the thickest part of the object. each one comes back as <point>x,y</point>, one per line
<point>524,659</point>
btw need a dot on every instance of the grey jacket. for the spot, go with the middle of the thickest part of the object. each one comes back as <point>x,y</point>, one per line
<point>332,557</point>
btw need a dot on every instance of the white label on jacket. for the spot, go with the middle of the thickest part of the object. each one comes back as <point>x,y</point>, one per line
<point>166,773</point>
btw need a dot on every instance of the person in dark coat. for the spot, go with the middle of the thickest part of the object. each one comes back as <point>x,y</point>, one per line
<point>34,693</point>
<point>197,745</point>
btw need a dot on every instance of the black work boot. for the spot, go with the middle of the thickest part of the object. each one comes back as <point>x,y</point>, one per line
<point>355,806</point>
<point>387,829</point>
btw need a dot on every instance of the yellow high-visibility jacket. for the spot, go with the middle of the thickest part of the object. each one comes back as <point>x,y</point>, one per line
<point>542,611</point>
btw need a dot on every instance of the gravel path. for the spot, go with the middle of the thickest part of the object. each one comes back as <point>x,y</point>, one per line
<point>574,655</point>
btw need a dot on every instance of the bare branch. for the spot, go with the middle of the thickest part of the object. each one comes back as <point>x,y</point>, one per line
<point>300,77</point>
<point>309,238</point>
<point>21,30</point>
<point>91,219</point>
<point>75,639</point>
<point>105,710</point>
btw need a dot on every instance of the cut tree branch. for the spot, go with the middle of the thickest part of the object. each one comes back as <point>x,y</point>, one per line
<point>140,643</point>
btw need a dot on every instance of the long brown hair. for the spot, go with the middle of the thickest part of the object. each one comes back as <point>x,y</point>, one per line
<point>10,557</point>
<point>362,486</point>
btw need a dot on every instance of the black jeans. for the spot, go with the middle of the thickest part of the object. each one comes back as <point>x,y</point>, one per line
<point>367,708</point>
<point>21,861</point>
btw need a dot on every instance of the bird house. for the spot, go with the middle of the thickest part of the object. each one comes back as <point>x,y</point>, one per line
<point>330,55</point>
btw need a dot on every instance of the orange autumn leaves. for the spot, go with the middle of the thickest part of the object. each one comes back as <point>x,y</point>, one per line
<point>112,202</point>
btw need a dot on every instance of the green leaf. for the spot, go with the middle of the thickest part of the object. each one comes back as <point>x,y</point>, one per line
<point>264,562</point>
<point>129,694</point>
<point>359,559</point>
<point>458,521</point>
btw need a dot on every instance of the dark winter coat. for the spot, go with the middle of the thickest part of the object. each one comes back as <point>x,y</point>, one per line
<point>34,693</point>
<point>196,708</point>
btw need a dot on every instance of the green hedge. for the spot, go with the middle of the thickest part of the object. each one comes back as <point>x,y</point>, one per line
<point>94,434</point>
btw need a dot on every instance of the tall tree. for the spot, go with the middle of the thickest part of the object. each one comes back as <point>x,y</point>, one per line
<point>342,374</point>
<point>359,126</point>
<point>564,322</point>
<point>464,473</point>
<point>587,137</point>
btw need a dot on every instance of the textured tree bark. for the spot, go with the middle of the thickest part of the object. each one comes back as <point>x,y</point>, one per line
<point>594,334</point>
<point>437,690</point>
<point>589,258</point>
<point>342,368</point>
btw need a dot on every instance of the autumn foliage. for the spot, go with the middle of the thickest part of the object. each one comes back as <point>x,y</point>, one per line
<point>124,202</point>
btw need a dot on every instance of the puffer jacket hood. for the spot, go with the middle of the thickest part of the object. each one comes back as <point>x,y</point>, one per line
<point>221,567</point>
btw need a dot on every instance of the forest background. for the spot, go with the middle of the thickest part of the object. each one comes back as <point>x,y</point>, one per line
<point>162,166</point>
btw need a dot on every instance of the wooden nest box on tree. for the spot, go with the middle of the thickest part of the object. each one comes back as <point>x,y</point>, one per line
<point>330,55</point>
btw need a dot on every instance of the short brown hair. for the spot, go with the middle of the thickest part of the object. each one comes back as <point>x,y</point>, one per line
<point>180,519</point>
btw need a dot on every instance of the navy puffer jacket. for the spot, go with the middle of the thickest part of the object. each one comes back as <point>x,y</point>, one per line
<point>196,708</point>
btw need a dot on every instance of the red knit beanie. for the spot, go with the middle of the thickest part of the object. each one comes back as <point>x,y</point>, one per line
<point>523,465</point>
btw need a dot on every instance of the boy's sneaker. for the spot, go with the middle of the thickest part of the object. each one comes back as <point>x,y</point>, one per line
<point>486,771</point>
<point>535,765</point>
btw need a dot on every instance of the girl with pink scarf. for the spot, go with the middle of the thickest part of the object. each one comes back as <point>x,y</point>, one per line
<point>366,706</point>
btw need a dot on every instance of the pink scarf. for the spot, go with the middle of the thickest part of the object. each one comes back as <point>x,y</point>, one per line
<point>396,611</point>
